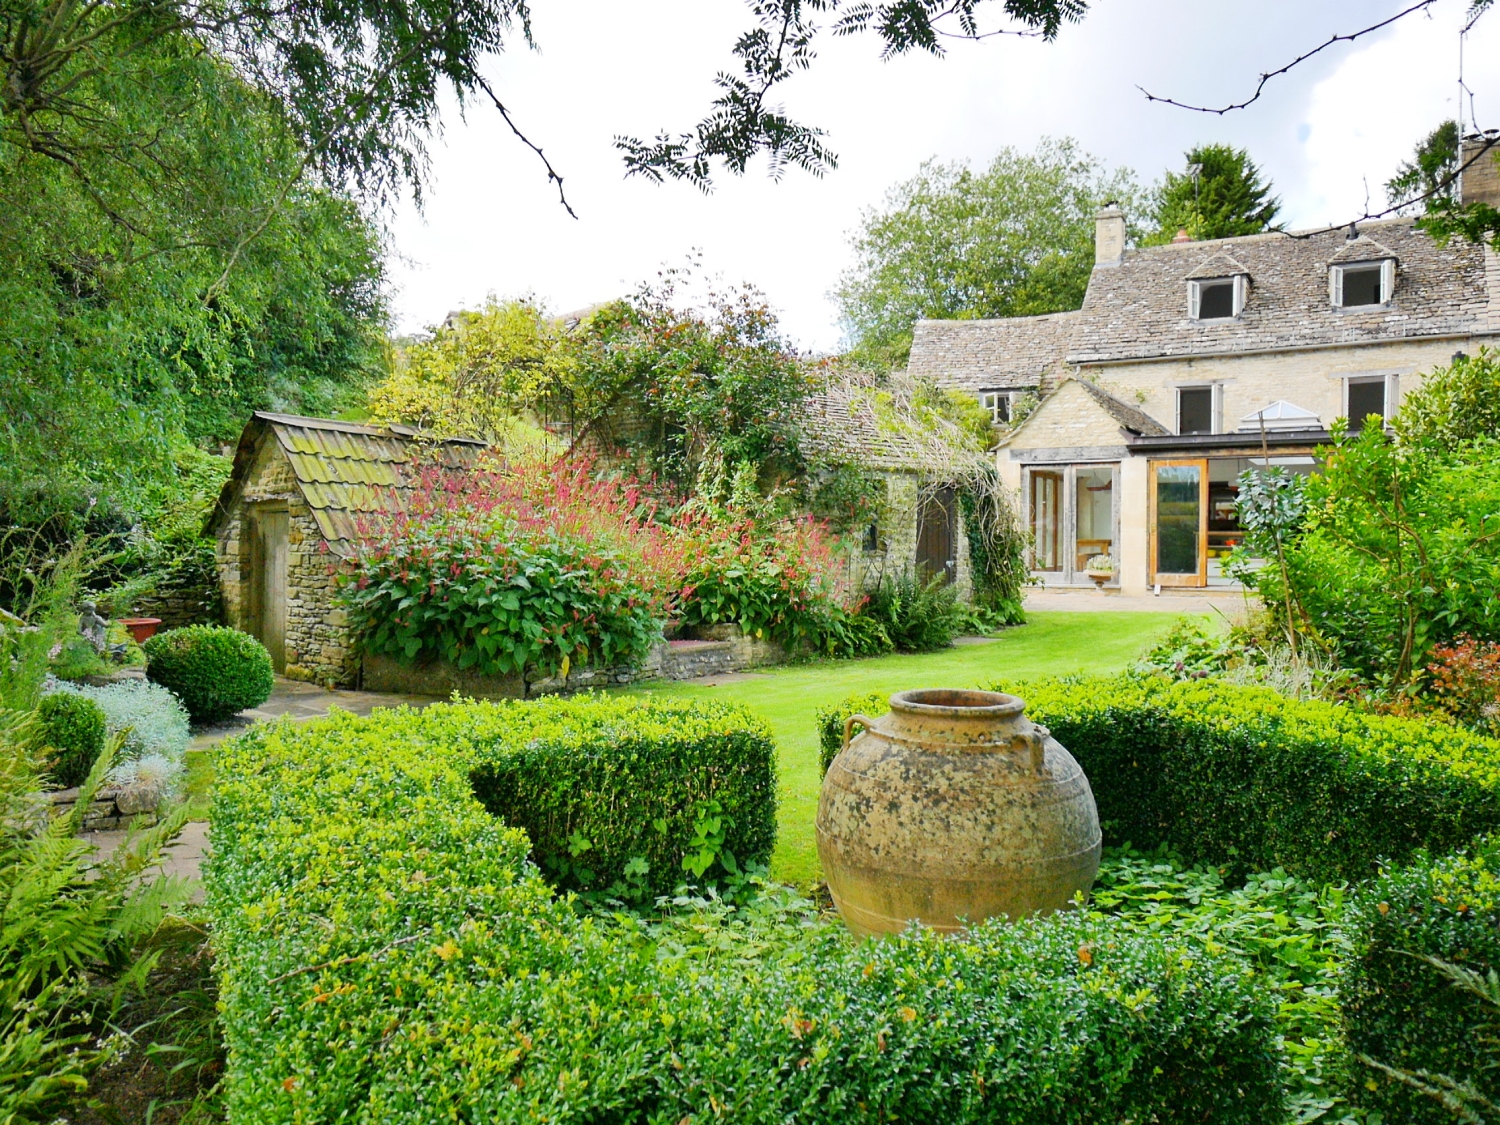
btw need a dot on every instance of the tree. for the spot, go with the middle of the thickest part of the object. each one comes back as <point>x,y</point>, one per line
<point>1224,198</point>
<point>1426,181</point>
<point>481,375</point>
<point>1012,240</point>
<point>124,331</point>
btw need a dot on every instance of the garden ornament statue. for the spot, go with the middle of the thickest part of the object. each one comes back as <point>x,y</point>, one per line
<point>93,627</point>
<point>951,809</point>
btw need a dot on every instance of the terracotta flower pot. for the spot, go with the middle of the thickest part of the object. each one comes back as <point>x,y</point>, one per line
<point>141,629</point>
<point>954,808</point>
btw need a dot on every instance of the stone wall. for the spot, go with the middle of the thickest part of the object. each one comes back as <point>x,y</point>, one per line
<point>1314,379</point>
<point>728,651</point>
<point>111,808</point>
<point>319,648</point>
<point>177,606</point>
<point>898,537</point>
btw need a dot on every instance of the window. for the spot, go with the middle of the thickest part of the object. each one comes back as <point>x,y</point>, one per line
<point>1195,410</point>
<point>1219,298</point>
<point>998,404</point>
<point>872,537</point>
<point>1366,397</point>
<point>1362,284</point>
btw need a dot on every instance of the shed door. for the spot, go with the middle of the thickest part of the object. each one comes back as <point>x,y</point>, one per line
<point>936,536</point>
<point>268,550</point>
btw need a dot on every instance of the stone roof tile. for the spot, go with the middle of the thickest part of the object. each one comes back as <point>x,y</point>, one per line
<point>1139,309</point>
<point>983,355</point>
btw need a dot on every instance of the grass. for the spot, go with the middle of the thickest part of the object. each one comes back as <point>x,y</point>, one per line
<point>1050,643</point>
<point>1055,643</point>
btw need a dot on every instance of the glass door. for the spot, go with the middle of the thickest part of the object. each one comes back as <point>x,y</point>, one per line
<point>1179,523</point>
<point>1046,520</point>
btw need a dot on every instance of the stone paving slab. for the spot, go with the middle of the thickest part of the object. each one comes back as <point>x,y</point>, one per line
<point>1230,602</point>
<point>304,701</point>
<point>183,858</point>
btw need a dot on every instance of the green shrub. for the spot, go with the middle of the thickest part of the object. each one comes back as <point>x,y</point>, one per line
<point>1243,775</point>
<point>385,953</point>
<point>918,616</point>
<point>1399,1009</point>
<point>72,727</point>
<point>215,672</point>
<point>831,722</point>
<point>499,601</point>
<point>618,793</point>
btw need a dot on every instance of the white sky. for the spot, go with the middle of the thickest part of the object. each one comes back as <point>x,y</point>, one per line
<point>491,222</point>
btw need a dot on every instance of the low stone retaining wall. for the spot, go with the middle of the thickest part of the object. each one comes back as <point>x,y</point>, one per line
<point>724,652</point>
<point>111,808</point>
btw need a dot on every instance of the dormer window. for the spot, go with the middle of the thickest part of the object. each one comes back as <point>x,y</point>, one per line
<point>1358,284</point>
<point>1216,298</point>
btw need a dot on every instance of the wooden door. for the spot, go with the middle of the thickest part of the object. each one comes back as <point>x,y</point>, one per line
<point>937,538</point>
<point>268,553</point>
<point>1179,523</point>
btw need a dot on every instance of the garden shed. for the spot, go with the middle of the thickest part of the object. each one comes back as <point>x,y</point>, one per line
<point>290,512</point>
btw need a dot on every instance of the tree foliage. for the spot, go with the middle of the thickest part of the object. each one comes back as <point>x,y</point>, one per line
<point>122,328</point>
<point>1226,198</point>
<point>482,374</point>
<point>1426,181</point>
<point>741,124</point>
<point>1397,550</point>
<point>690,386</point>
<point>1014,239</point>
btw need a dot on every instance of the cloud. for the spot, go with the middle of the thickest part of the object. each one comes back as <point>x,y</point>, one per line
<point>1367,116</point>
<point>492,223</point>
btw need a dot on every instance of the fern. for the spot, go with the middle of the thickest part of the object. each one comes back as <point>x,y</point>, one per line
<point>63,910</point>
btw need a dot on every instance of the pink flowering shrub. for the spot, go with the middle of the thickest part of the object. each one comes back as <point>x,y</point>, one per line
<point>536,568</point>
<point>503,570</point>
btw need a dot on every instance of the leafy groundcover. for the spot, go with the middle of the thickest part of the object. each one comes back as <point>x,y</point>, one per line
<point>387,953</point>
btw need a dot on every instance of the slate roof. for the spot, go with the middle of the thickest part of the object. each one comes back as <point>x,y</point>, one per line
<point>1134,420</point>
<point>1139,308</point>
<point>982,355</point>
<point>343,469</point>
<point>840,423</point>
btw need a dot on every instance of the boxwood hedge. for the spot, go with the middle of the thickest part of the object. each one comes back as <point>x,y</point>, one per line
<point>387,954</point>
<point>1399,1009</point>
<point>615,792</point>
<point>1246,777</point>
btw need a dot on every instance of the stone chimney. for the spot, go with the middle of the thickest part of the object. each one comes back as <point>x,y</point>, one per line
<point>1109,236</point>
<point>1480,180</point>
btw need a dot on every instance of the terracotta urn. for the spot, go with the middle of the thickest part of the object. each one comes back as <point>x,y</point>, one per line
<point>141,629</point>
<point>951,809</point>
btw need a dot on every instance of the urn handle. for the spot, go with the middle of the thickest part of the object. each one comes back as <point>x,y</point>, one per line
<point>849,723</point>
<point>1035,741</point>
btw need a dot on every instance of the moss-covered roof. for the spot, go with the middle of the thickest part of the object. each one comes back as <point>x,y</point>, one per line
<point>344,470</point>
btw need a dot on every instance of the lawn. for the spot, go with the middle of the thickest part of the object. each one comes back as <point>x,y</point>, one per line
<point>1054,643</point>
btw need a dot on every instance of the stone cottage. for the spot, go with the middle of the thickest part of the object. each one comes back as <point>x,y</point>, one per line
<point>1194,361</point>
<point>919,527</point>
<point>290,512</point>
